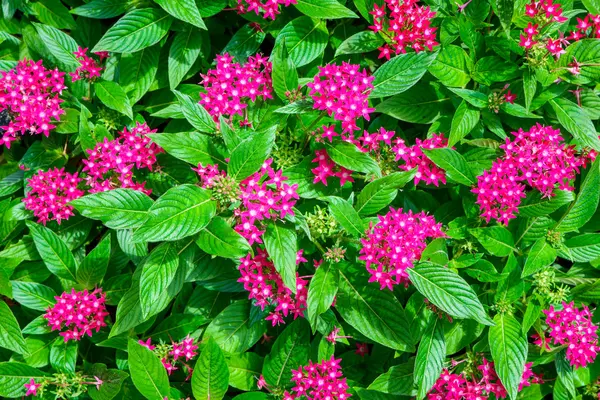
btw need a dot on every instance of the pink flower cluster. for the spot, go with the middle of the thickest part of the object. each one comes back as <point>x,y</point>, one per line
<point>536,157</point>
<point>88,67</point>
<point>184,349</point>
<point>588,27</point>
<point>414,157</point>
<point>543,12</point>
<point>343,92</point>
<point>264,195</point>
<point>50,193</point>
<point>393,244</point>
<point>32,387</point>
<point>111,164</point>
<point>29,93</point>
<point>322,380</point>
<point>451,386</point>
<point>266,288</point>
<point>574,328</point>
<point>79,312</point>
<point>230,85</point>
<point>268,8</point>
<point>407,25</point>
<point>327,168</point>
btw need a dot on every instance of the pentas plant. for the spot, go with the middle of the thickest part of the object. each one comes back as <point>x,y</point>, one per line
<point>311,199</point>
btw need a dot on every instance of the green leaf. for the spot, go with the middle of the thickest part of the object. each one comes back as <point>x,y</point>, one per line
<point>584,206</point>
<point>54,13</point>
<point>345,215</point>
<point>535,205</point>
<point>430,357</point>
<point>494,69</point>
<point>398,380</point>
<point>245,42</point>
<point>504,9</point>
<point>137,71</point>
<point>285,76</point>
<point>463,122</point>
<point>381,192</point>
<point>220,239</point>
<point>158,271</point>
<point>401,73</point>
<point>185,10</point>
<point>326,9</point>
<point>453,163</point>
<point>94,265</point>
<point>195,114</point>
<point>566,378</point>
<point>421,104</point>
<point>582,248</point>
<point>375,313</point>
<point>147,373</point>
<point>183,53</point>
<point>112,381</point>
<point>191,147</point>
<point>33,295</point>
<point>304,38</point>
<point>529,87</point>
<point>280,242</point>
<point>361,42</point>
<point>63,355</point>
<point>117,209</point>
<point>60,45</point>
<point>476,99</point>
<point>244,370</point>
<point>575,120</point>
<point>508,345</point>
<point>298,107</point>
<point>587,53</point>
<point>321,291</point>
<point>14,376</point>
<point>182,211</point>
<point>452,66</point>
<point>55,253</point>
<point>135,31</point>
<point>102,9</point>
<point>289,351</point>
<point>540,255</point>
<point>349,156</point>
<point>250,154</point>
<point>448,291</point>
<point>113,96</point>
<point>496,239</point>
<point>10,332</point>
<point>211,375</point>
<point>232,329</point>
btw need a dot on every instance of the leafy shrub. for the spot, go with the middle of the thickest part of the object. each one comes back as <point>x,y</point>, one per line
<point>377,199</point>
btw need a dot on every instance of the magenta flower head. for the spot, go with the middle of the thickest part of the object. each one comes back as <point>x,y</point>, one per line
<point>574,328</point>
<point>393,244</point>
<point>266,288</point>
<point>408,25</point>
<point>266,8</point>
<point>88,67</point>
<point>319,381</point>
<point>80,313</point>
<point>29,94</point>
<point>413,156</point>
<point>50,193</point>
<point>230,86</point>
<point>327,168</point>
<point>32,388</point>
<point>112,163</point>
<point>343,92</point>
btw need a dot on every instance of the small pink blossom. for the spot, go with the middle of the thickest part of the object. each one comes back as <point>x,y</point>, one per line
<point>269,9</point>
<point>326,168</point>
<point>362,349</point>
<point>413,156</point>
<point>80,312</point>
<point>88,67</point>
<point>32,388</point>
<point>319,381</point>
<point>147,344</point>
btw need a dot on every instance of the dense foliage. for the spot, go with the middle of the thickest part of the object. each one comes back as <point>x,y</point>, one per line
<point>286,199</point>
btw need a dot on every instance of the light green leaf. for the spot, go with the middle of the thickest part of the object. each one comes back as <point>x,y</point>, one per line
<point>381,192</point>
<point>321,291</point>
<point>10,332</point>
<point>280,242</point>
<point>463,122</point>
<point>33,295</point>
<point>452,66</point>
<point>401,73</point>
<point>361,42</point>
<point>581,248</point>
<point>496,239</point>
<point>430,357</point>
<point>137,71</point>
<point>305,39</point>
<point>60,45</point>
<point>113,96</point>
<point>55,253</point>
<point>250,154</point>
<point>540,255</point>
<point>94,265</point>
<point>453,163</point>
<point>14,376</point>
<point>158,271</point>
<point>289,351</point>
<point>183,53</point>
<point>185,10</point>
<point>232,329</point>
<point>195,114</point>
<point>102,9</point>
<point>147,373</point>
<point>575,120</point>
<point>210,378</point>
<point>219,239</point>
<point>586,203</point>
<point>345,215</point>
<point>348,156</point>
<point>326,9</point>
<point>191,147</point>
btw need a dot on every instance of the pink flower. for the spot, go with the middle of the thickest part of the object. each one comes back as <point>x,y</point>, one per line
<point>231,85</point>
<point>88,67</point>
<point>266,288</point>
<point>327,168</point>
<point>574,328</point>
<point>170,367</point>
<point>413,157</point>
<point>29,93</point>
<point>362,349</point>
<point>31,387</point>
<point>408,25</point>
<point>510,97</point>
<point>342,91</point>
<point>98,382</point>
<point>392,245</point>
<point>319,381</point>
<point>536,157</point>
<point>112,163</point>
<point>268,8</point>
<point>147,344</point>
<point>50,194</point>
<point>80,312</point>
